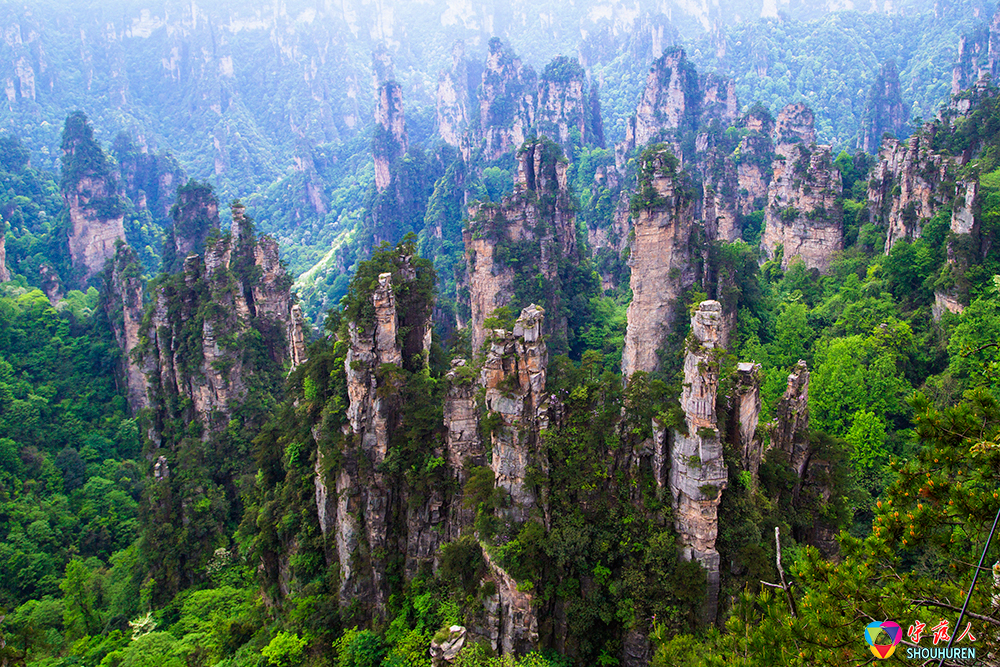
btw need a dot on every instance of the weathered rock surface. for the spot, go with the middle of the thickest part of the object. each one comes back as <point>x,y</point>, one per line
<point>745,410</point>
<point>978,57</point>
<point>506,104</point>
<point>515,616</point>
<point>698,472</point>
<point>4,271</point>
<point>537,223</point>
<point>453,98</point>
<point>884,109</point>
<point>804,214</point>
<point>513,375</point>
<point>444,651</point>
<point>906,186</point>
<point>790,428</point>
<point>125,310</point>
<point>93,230</point>
<point>662,266</point>
<point>391,141</point>
<point>562,102</point>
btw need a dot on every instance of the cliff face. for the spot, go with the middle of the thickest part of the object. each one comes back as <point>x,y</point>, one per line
<point>661,260</point>
<point>513,375</point>
<point>452,113</point>
<point>790,429</point>
<point>906,186</point>
<point>125,310</point>
<point>744,412</point>
<point>4,271</point>
<point>978,57</point>
<point>390,142</point>
<point>506,103</point>
<point>527,234</point>
<point>884,110</point>
<point>803,213</point>
<point>676,98</point>
<point>562,102</point>
<point>698,472</point>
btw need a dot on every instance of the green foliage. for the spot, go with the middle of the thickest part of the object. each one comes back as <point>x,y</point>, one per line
<point>285,650</point>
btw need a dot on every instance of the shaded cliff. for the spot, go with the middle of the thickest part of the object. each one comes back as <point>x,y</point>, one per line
<point>390,142</point>
<point>884,109</point>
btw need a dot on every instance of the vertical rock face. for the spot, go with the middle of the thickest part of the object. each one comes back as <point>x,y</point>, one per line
<point>745,409</point>
<point>515,614</point>
<point>562,101</point>
<point>676,98</point>
<point>214,300</point>
<point>905,187</point>
<point>506,102</point>
<point>790,429</point>
<point>884,110</point>
<point>964,222</point>
<point>4,271</point>
<point>90,194</point>
<point>698,472</point>
<point>661,261</point>
<point>531,230</point>
<point>296,336</point>
<point>452,98</point>
<point>390,142</point>
<point>195,215</point>
<point>463,446</point>
<point>513,375</point>
<point>978,57</point>
<point>125,311</point>
<point>803,214</point>
<point>755,164</point>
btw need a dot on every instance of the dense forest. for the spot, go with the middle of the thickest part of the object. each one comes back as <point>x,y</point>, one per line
<point>398,350</point>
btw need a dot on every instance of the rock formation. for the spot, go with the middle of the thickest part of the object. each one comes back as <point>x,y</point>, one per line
<point>506,104</point>
<point>978,57</point>
<point>390,142</point>
<point>790,428</point>
<point>803,212</point>
<point>676,98</point>
<point>562,102</point>
<point>125,310</point>
<point>661,260</point>
<point>452,117</point>
<point>444,651</point>
<point>884,109</point>
<point>90,194</point>
<point>744,410</point>
<point>4,271</point>
<point>698,472</point>
<point>513,375</point>
<point>905,188</point>
<point>527,234</point>
<point>964,225</point>
<point>515,613</point>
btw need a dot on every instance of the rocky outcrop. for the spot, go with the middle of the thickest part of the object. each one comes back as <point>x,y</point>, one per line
<point>744,411</point>
<point>125,309</point>
<point>952,296</point>
<point>790,428</point>
<point>906,186</point>
<point>445,649</point>
<point>803,214</point>
<point>506,104</point>
<point>390,142</point>
<point>214,300</point>
<point>452,104</point>
<point>978,57</point>
<point>562,102</point>
<point>527,234</point>
<point>884,109</point>
<point>513,375</point>
<point>676,98</point>
<point>512,614</point>
<point>90,195</point>
<point>4,271</point>
<point>296,336</point>
<point>661,260</point>
<point>698,472</point>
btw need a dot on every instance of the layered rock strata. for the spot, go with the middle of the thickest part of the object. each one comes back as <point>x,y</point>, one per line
<point>790,428</point>
<point>530,231</point>
<point>661,261</point>
<point>803,214</point>
<point>513,375</point>
<point>698,472</point>
<point>96,224</point>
